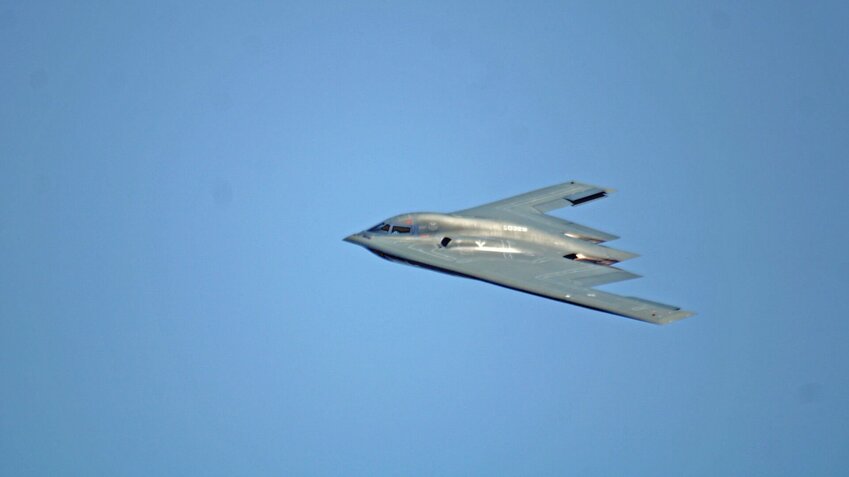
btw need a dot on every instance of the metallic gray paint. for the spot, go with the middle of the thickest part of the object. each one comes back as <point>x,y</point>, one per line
<point>513,243</point>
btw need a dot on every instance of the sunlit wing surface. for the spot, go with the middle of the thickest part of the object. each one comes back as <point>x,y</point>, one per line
<point>541,200</point>
<point>515,244</point>
<point>552,277</point>
<point>531,207</point>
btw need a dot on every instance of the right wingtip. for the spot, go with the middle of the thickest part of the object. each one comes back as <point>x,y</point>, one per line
<point>675,316</point>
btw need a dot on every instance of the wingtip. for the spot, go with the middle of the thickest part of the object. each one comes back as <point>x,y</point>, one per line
<point>675,316</point>
<point>577,182</point>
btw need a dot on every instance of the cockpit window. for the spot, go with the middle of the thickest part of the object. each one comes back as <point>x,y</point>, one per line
<point>384,227</point>
<point>381,227</point>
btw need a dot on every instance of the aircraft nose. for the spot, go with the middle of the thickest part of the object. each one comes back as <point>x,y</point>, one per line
<point>357,238</point>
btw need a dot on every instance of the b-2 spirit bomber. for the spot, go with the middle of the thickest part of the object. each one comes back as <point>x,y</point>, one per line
<point>515,244</point>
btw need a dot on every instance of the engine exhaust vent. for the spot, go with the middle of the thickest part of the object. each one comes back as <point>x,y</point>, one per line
<point>579,257</point>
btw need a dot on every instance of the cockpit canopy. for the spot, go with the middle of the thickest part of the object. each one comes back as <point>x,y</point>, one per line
<point>381,227</point>
<point>384,227</point>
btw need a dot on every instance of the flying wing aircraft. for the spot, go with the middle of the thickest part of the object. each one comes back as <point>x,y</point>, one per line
<point>515,244</point>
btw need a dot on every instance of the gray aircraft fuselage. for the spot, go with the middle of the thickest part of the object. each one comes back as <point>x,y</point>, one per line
<point>515,244</point>
<point>477,235</point>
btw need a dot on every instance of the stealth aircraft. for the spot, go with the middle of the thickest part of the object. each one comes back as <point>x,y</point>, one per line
<point>515,244</point>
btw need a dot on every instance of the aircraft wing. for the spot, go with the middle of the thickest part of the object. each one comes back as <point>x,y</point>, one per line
<point>531,207</point>
<point>552,277</point>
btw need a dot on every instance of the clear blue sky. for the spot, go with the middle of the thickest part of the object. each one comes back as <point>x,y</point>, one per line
<point>175,182</point>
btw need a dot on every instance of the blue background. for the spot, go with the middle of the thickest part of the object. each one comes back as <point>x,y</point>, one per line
<point>175,182</point>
